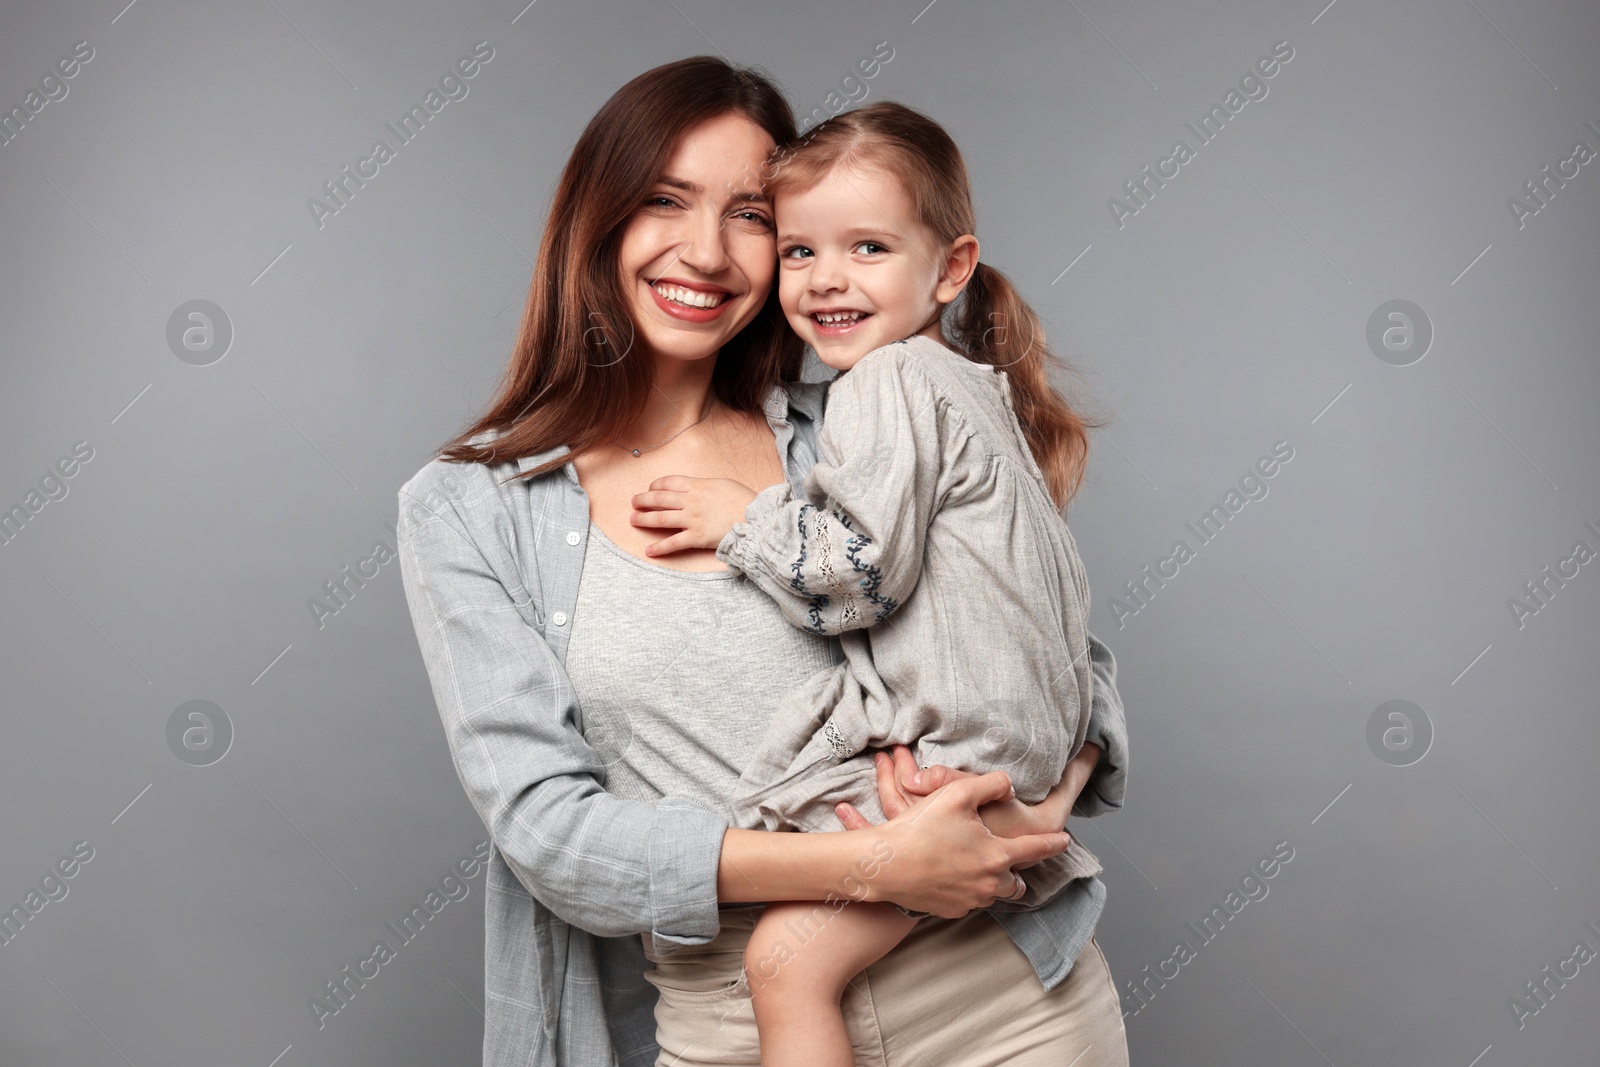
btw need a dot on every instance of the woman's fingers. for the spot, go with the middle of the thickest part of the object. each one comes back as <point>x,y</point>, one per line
<point>922,782</point>
<point>850,817</point>
<point>946,861</point>
<point>906,771</point>
<point>981,789</point>
<point>1026,851</point>
<point>890,797</point>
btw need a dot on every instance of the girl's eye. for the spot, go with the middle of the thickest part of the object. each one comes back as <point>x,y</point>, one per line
<point>796,252</point>
<point>871,247</point>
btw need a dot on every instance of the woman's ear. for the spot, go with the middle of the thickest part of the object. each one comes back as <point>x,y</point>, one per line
<point>959,263</point>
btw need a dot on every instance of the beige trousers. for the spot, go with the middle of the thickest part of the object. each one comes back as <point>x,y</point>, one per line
<point>954,993</point>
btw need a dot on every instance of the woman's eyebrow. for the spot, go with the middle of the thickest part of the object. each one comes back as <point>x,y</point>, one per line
<point>751,196</point>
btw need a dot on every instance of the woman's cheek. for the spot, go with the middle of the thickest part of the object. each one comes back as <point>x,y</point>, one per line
<point>757,255</point>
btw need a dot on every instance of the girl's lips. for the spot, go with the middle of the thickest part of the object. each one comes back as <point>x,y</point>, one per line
<point>837,329</point>
<point>686,313</point>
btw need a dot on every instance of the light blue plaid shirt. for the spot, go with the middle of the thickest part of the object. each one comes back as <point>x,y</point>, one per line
<point>578,875</point>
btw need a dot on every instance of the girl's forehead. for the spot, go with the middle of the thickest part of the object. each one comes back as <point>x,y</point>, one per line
<point>850,189</point>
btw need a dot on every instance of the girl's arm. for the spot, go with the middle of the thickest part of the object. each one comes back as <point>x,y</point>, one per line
<point>614,866</point>
<point>848,561</point>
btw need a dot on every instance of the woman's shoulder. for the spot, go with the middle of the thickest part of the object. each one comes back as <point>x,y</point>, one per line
<point>466,494</point>
<point>799,397</point>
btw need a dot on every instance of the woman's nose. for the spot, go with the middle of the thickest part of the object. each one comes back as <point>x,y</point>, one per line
<point>707,250</point>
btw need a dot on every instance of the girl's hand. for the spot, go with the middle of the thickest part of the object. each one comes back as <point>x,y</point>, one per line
<point>939,857</point>
<point>702,510</point>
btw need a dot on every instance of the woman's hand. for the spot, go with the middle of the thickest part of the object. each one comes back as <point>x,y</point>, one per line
<point>702,510</point>
<point>940,858</point>
<point>900,782</point>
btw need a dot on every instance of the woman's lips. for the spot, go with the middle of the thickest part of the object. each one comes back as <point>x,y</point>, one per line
<point>685,312</point>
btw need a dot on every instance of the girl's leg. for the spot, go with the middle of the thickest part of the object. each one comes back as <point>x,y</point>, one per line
<point>798,961</point>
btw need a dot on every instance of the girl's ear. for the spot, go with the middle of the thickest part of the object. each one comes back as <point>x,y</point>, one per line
<point>959,263</point>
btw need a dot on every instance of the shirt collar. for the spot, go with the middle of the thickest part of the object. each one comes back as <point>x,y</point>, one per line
<point>782,398</point>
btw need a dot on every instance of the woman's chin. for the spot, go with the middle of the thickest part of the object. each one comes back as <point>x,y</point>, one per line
<point>682,345</point>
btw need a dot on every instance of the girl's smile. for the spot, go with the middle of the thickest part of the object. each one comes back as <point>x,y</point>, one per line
<point>857,269</point>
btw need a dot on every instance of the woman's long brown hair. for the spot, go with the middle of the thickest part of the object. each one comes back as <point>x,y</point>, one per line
<point>573,378</point>
<point>991,323</point>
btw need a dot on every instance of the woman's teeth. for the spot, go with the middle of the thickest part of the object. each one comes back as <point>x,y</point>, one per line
<point>829,318</point>
<point>690,297</point>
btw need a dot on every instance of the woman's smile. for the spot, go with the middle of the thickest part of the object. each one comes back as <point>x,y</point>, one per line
<point>690,301</point>
<point>698,255</point>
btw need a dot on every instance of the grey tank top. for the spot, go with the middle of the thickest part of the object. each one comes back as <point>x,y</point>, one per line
<point>678,672</point>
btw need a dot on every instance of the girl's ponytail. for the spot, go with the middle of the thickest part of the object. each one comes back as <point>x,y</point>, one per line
<point>992,324</point>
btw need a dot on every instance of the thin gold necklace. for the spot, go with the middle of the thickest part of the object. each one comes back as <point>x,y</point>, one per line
<point>641,451</point>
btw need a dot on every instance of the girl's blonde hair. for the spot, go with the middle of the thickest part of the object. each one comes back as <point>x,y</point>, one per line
<point>990,322</point>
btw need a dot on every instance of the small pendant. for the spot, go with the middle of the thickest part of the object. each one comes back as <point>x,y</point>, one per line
<point>635,451</point>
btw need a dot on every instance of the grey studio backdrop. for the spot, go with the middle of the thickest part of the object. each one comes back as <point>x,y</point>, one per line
<point>1370,673</point>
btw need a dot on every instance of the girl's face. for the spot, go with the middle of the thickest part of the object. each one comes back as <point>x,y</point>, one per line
<point>856,269</point>
<point>697,256</point>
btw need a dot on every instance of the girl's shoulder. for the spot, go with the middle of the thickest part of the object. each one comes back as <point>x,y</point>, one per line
<point>935,362</point>
<point>916,366</point>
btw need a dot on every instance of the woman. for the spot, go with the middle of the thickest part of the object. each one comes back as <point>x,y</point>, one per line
<point>597,704</point>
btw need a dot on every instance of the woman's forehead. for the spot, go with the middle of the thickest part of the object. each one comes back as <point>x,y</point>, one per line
<point>724,152</point>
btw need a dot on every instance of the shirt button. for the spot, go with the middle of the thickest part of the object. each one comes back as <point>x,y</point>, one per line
<point>573,538</point>
<point>559,618</point>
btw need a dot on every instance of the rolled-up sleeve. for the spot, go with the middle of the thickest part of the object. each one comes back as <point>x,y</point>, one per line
<point>1108,728</point>
<point>609,865</point>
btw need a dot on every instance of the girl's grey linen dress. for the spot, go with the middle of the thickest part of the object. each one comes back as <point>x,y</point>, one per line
<point>928,541</point>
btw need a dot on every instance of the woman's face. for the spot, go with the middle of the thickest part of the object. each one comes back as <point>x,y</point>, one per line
<point>698,257</point>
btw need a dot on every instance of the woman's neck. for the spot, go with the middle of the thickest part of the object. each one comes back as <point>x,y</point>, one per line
<point>682,396</point>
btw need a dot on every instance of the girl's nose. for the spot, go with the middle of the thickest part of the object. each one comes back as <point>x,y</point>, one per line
<point>827,275</point>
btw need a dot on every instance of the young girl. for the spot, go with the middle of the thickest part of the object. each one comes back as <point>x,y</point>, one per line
<point>932,540</point>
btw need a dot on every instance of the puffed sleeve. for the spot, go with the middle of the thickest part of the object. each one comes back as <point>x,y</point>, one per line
<point>603,863</point>
<point>851,558</point>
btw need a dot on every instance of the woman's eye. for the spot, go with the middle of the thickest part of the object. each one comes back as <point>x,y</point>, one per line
<point>754,216</point>
<point>660,201</point>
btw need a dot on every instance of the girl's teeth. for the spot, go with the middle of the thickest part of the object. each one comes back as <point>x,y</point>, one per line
<point>838,316</point>
<point>690,297</point>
